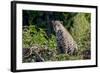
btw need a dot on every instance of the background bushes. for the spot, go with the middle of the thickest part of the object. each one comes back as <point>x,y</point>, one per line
<point>38,30</point>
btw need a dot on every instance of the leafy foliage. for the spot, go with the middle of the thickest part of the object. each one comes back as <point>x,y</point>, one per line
<point>35,31</point>
<point>81,31</point>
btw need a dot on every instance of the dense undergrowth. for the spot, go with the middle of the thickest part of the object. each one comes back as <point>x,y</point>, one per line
<point>78,24</point>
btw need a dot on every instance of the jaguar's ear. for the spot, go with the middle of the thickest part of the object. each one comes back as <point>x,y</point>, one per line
<point>53,24</point>
<point>52,21</point>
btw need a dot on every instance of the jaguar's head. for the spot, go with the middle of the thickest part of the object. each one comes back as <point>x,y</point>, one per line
<point>56,25</point>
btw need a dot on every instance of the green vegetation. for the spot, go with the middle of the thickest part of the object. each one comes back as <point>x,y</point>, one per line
<point>37,30</point>
<point>81,31</point>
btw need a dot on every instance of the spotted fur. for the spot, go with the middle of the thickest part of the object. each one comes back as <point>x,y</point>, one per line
<point>65,42</point>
